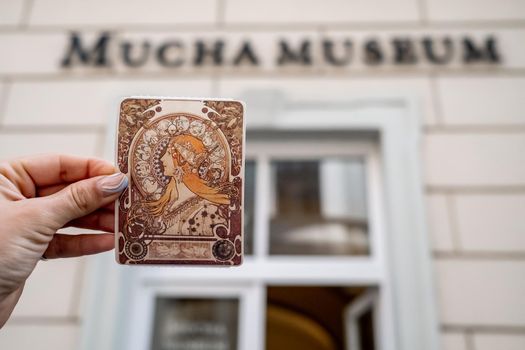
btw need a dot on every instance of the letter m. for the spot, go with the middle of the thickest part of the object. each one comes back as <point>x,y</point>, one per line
<point>95,55</point>
<point>288,55</point>
<point>487,53</point>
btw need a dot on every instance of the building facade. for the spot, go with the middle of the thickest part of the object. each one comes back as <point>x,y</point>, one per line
<point>66,63</point>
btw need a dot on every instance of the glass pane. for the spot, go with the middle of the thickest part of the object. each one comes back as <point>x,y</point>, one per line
<point>295,319</point>
<point>189,324</point>
<point>319,207</point>
<point>366,330</point>
<point>249,197</point>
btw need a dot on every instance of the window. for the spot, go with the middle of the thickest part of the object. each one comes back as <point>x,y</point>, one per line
<point>318,207</point>
<point>333,240</point>
<point>184,323</point>
<point>295,319</point>
<point>309,204</point>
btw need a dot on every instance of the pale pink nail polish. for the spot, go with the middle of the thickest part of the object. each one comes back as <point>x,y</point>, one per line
<point>113,183</point>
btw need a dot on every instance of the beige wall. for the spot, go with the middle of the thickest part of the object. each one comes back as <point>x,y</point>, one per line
<point>473,122</point>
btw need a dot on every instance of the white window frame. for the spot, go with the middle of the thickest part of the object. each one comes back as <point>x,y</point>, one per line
<point>407,320</point>
<point>363,303</point>
<point>368,270</point>
<point>140,332</point>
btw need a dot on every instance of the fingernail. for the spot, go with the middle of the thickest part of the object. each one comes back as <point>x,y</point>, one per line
<point>113,183</point>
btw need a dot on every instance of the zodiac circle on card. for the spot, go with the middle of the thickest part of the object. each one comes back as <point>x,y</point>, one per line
<point>181,166</point>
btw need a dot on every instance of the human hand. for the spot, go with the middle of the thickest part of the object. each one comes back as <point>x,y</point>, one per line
<point>42,194</point>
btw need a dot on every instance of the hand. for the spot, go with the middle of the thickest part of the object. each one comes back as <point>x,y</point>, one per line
<point>42,194</point>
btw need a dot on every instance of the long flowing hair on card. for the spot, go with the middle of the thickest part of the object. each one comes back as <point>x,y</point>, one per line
<point>188,156</point>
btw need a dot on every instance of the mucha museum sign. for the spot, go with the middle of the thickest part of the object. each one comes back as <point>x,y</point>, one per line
<point>109,50</point>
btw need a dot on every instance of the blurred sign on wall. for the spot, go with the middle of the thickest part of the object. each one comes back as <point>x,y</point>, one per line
<point>109,50</point>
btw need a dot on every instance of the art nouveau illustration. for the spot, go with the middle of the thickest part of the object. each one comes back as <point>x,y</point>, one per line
<point>184,160</point>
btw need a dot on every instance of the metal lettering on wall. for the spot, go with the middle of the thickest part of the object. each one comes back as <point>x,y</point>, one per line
<point>107,50</point>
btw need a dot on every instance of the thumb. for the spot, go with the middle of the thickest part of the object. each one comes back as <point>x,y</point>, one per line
<point>83,197</point>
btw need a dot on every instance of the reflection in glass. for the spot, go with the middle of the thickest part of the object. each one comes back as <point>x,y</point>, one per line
<point>249,197</point>
<point>295,319</point>
<point>195,324</point>
<point>366,330</point>
<point>319,207</point>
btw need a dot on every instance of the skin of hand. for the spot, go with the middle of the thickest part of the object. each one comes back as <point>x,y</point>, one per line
<point>42,194</point>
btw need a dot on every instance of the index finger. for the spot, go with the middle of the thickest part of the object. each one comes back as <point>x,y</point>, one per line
<point>33,172</point>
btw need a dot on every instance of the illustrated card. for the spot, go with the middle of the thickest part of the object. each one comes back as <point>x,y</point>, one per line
<point>185,160</point>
